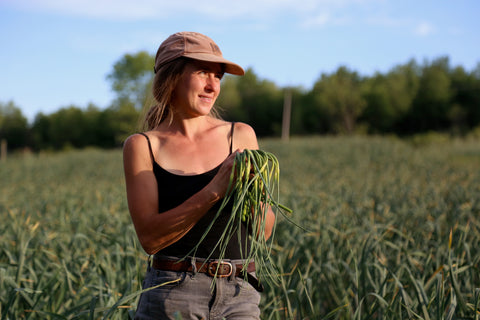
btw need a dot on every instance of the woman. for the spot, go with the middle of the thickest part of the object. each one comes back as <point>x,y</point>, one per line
<point>177,173</point>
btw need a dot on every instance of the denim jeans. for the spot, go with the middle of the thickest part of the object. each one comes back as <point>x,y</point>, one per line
<point>192,296</point>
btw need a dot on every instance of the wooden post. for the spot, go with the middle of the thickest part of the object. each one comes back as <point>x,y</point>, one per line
<point>287,110</point>
<point>3,150</point>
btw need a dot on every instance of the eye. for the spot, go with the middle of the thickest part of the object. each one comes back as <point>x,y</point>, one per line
<point>219,75</point>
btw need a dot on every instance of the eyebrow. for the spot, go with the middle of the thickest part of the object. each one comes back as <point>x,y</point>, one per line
<point>210,67</point>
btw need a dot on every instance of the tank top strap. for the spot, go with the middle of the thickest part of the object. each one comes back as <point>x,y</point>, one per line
<point>149,146</point>
<point>231,137</point>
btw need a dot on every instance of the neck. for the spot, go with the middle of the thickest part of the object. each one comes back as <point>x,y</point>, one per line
<point>188,127</point>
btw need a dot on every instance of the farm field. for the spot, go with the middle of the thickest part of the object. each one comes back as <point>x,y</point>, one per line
<point>392,232</point>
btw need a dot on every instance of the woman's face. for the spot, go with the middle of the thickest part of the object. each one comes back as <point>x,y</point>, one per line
<point>198,88</point>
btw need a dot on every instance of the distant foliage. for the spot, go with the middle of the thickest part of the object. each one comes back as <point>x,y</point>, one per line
<point>407,100</point>
<point>13,125</point>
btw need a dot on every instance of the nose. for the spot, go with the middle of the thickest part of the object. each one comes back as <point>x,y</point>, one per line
<point>212,83</point>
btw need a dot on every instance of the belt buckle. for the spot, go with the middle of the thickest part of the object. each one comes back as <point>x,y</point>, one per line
<point>217,269</point>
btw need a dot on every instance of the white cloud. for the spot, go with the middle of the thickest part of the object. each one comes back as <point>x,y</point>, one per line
<point>323,19</point>
<point>103,9</point>
<point>424,29</point>
<point>257,13</point>
<point>150,9</point>
<point>103,43</point>
<point>385,21</point>
<point>319,20</point>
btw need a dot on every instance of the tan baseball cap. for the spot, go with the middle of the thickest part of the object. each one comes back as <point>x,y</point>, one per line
<point>196,46</point>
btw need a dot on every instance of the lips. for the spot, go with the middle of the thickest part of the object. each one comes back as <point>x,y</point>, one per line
<point>206,98</point>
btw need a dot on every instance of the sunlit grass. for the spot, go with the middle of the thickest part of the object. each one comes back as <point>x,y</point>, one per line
<point>393,233</point>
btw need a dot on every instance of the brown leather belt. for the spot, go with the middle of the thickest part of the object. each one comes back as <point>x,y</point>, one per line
<point>219,269</point>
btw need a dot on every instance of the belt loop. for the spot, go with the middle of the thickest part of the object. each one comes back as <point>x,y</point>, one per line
<point>194,265</point>
<point>234,272</point>
<point>149,262</point>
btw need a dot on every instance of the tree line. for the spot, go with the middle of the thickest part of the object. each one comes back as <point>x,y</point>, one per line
<point>410,98</point>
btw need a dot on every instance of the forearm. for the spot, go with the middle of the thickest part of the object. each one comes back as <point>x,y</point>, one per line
<point>269,223</point>
<point>158,230</point>
<point>266,222</point>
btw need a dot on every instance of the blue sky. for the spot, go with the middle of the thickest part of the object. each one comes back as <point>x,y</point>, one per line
<point>55,53</point>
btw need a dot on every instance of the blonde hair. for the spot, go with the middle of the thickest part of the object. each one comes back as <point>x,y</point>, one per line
<point>163,87</point>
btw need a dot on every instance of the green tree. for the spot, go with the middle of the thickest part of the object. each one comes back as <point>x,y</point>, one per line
<point>92,126</point>
<point>131,78</point>
<point>300,113</point>
<point>262,101</point>
<point>77,127</point>
<point>307,115</point>
<point>229,102</point>
<point>474,98</point>
<point>465,112</point>
<point>13,125</point>
<point>252,100</point>
<point>431,105</point>
<point>67,128</point>
<point>40,132</point>
<point>121,120</point>
<point>379,112</point>
<point>339,96</point>
<point>389,97</point>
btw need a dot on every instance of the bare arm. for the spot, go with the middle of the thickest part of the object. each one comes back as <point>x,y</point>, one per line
<point>157,231</point>
<point>245,138</point>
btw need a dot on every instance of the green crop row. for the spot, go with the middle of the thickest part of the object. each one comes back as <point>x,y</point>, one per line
<point>391,230</point>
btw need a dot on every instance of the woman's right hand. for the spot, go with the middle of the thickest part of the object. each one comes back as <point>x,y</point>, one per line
<point>220,183</point>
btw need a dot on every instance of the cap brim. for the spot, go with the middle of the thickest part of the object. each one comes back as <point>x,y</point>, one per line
<point>230,67</point>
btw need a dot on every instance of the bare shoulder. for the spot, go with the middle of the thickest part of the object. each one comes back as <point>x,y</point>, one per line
<point>244,136</point>
<point>136,150</point>
<point>134,141</point>
<point>243,129</point>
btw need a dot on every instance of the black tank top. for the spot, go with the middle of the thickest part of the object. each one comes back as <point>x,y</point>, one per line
<point>173,190</point>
